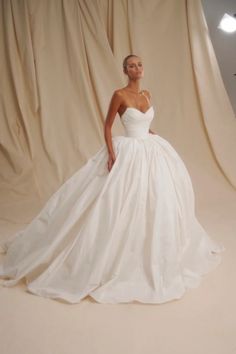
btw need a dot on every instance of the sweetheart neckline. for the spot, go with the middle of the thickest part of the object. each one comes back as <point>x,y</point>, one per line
<point>137,110</point>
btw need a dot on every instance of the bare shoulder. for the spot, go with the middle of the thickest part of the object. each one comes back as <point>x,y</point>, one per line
<point>117,95</point>
<point>146,92</point>
<point>119,92</point>
<point>115,103</point>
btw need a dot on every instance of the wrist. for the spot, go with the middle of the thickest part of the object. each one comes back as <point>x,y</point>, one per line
<point>111,154</point>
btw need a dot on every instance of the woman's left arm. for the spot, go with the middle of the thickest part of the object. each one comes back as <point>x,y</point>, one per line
<point>149,97</point>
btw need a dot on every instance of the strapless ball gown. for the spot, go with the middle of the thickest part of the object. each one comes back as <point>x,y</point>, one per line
<point>130,234</point>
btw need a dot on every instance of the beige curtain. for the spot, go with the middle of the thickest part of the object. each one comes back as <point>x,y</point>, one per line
<point>61,61</point>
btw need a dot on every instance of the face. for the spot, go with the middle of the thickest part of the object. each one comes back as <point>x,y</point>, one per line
<point>134,68</point>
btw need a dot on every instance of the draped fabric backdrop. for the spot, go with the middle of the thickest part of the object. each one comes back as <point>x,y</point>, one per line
<point>60,63</point>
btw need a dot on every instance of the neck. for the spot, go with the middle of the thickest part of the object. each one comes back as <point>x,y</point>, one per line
<point>134,86</point>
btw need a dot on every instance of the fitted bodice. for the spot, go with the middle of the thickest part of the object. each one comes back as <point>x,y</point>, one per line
<point>137,123</point>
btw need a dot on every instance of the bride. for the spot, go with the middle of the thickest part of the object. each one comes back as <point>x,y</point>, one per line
<point>123,98</point>
<point>123,227</point>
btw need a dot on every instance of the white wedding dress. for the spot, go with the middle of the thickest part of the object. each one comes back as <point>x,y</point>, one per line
<point>130,234</point>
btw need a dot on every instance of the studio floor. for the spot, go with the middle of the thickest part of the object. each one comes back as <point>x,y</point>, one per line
<point>201,322</point>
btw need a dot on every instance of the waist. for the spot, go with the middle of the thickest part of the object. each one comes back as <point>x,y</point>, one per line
<point>137,136</point>
<point>137,133</point>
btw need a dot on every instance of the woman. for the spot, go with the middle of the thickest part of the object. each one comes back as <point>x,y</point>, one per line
<point>123,227</point>
<point>125,97</point>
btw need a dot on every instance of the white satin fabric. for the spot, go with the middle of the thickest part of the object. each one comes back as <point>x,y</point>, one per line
<point>118,236</point>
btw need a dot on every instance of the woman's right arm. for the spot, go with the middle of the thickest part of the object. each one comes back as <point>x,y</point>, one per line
<point>112,111</point>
